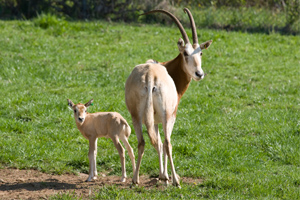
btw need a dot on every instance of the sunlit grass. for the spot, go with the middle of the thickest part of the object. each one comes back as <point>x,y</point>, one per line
<point>238,129</point>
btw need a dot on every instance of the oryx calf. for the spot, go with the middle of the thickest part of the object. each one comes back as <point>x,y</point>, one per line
<point>102,124</point>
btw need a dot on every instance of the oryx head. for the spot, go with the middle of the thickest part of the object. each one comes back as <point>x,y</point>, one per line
<point>191,53</point>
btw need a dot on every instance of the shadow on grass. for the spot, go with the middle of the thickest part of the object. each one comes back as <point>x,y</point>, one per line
<point>36,186</point>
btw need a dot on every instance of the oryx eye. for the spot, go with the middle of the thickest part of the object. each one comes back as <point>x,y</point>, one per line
<point>75,111</point>
<point>185,53</point>
<point>201,53</point>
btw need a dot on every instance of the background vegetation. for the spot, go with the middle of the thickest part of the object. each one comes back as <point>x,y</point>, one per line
<point>238,129</point>
<point>247,15</point>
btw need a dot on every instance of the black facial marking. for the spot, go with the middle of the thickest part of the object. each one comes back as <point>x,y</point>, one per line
<point>154,89</point>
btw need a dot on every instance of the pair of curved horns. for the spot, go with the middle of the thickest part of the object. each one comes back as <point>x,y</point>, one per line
<point>183,33</point>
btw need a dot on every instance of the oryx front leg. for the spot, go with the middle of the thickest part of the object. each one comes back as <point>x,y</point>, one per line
<point>92,159</point>
<point>165,172</point>
<point>159,149</point>
<point>168,127</point>
<point>154,136</point>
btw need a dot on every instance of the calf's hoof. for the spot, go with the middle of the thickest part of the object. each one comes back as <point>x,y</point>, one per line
<point>123,179</point>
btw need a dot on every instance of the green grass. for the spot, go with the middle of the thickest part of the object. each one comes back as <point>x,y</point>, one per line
<point>238,129</point>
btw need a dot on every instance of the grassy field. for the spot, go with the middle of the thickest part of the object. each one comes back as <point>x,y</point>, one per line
<point>238,129</point>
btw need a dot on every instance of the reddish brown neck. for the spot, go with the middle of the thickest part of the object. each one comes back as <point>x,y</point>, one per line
<point>176,71</point>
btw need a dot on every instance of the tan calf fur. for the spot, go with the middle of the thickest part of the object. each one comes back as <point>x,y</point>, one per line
<point>102,124</point>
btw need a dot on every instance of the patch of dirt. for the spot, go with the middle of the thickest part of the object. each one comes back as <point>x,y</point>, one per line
<point>32,184</point>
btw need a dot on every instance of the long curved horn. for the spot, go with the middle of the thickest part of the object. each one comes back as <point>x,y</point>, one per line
<point>183,33</point>
<point>193,26</point>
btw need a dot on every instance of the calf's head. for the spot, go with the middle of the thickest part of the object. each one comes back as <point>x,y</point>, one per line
<point>79,110</point>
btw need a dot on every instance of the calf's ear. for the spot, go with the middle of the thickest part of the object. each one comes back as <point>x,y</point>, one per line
<point>89,103</point>
<point>70,103</point>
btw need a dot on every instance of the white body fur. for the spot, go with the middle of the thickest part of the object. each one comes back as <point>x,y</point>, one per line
<point>151,98</point>
<point>103,124</point>
<point>153,91</point>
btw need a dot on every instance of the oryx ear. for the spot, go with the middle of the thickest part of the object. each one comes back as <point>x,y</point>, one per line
<point>206,44</point>
<point>181,45</point>
<point>70,103</point>
<point>89,103</point>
